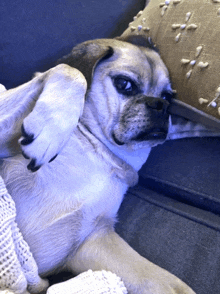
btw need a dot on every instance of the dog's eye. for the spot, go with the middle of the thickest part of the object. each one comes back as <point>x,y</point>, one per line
<point>167,95</point>
<point>125,86</point>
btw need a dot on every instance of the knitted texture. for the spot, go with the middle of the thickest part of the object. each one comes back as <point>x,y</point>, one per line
<point>90,282</point>
<point>18,269</point>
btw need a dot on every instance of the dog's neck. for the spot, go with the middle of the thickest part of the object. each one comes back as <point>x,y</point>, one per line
<point>123,170</point>
<point>135,157</point>
<point>125,161</point>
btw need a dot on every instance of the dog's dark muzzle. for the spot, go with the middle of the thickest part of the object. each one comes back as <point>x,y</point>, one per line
<point>154,134</point>
<point>158,118</point>
<point>158,104</point>
<point>147,118</point>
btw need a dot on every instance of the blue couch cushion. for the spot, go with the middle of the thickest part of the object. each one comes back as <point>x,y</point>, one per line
<point>187,170</point>
<point>176,236</point>
<point>34,34</point>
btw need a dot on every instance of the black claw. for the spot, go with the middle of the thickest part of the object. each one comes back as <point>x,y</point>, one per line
<point>26,141</point>
<point>23,132</point>
<point>32,166</point>
<point>53,158</point>
<point>25,155</point>
<point>27,138</point>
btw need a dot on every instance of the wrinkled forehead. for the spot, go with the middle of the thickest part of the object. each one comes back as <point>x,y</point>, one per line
<point>143,64</point>
<point>143,58</point>
<point>159,73</point>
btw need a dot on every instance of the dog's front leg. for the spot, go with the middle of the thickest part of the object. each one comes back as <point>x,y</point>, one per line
<point>110,252</point>
<point>15,105</point>
<point>47,109</point>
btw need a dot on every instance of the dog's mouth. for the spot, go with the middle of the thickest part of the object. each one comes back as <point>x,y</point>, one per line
<point>118,142</point>
<point>156,134</point>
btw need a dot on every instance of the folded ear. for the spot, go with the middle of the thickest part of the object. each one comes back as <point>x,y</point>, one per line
<point>139,40</point>
<point>86,56</point>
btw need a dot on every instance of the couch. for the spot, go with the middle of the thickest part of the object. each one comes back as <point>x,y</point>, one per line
<point>172,217</point>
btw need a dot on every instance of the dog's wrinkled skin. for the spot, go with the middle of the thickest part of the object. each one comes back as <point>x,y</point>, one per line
<point>98,115</point>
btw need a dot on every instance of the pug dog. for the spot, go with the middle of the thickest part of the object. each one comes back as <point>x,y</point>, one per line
<point>71,143</point>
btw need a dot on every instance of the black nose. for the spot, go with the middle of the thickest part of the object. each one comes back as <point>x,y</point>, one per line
<point>158,104</point>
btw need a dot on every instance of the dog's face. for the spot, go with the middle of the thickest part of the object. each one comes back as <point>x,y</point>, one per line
<point>129,95</point>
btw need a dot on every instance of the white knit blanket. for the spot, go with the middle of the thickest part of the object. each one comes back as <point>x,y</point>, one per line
<point>91,282</point>
<point>18,269</point>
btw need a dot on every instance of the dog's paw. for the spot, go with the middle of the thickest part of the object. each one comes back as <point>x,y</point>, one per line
<point>163,287</point>
<point>162,282</point>
<point>40,148</point>
<point>47,129</point>
<point>44,135</point>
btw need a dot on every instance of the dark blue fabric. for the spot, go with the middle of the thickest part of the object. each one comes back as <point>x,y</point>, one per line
<point>178,237</point>
<point>187,170</point>
<point>34,34</point>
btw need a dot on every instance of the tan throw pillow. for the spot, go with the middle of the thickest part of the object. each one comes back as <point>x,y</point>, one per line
<point>187,34</point>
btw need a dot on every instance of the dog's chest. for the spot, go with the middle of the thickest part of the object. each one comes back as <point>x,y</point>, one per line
<point>59,205</point>
<point>63,187</point>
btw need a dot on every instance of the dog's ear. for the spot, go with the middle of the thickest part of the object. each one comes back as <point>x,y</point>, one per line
<point>139,40</point>
<point>86,56</point>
